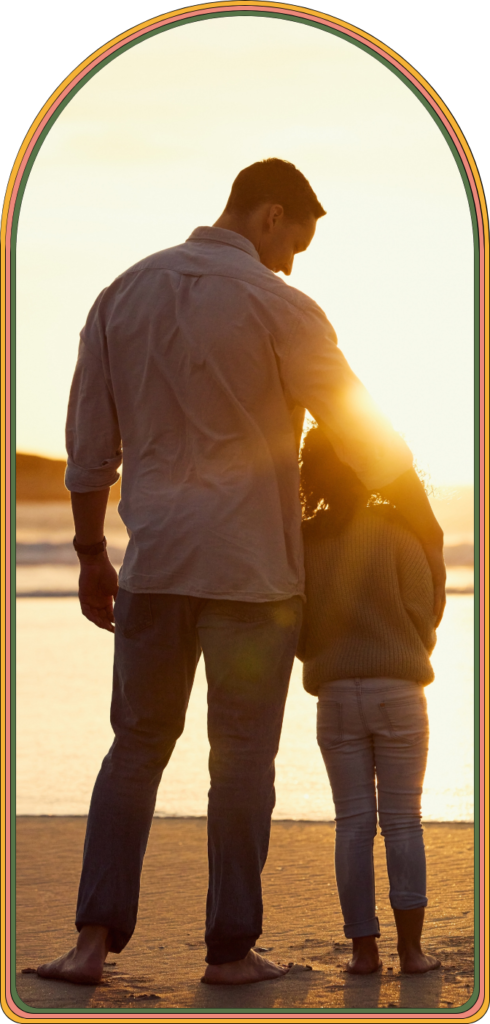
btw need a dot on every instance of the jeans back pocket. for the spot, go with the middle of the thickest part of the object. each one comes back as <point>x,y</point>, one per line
<point>405,715</point>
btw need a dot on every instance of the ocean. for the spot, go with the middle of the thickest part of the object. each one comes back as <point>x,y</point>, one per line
<point>63,730</point>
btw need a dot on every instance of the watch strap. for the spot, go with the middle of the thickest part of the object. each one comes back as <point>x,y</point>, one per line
<point>90,549</point>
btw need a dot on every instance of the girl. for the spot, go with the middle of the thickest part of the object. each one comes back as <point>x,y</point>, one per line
<point>366,640</point>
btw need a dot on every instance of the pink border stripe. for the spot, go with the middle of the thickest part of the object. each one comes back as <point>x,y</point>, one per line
<point>214,1015</point>
<point>8,719</point>
<point>291,14</point>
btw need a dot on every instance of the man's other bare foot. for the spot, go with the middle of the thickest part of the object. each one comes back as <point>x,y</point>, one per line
<point>409,925</point>
<point>417,962</point>
<point>365,956</point>
<point>252,968</point>
<point>83,965</point>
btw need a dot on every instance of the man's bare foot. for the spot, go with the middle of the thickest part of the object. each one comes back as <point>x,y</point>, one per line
<point>252,968</point>
<point>83,965</point>
<point>409,924</point>
<point>416,962</point>
<point>365,956</point>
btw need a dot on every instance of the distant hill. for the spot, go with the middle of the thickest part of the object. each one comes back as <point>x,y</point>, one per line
<point>40,479</point>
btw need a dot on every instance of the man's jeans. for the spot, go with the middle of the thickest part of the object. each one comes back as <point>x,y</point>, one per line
<point>248,653</point>
<point>375,730</point>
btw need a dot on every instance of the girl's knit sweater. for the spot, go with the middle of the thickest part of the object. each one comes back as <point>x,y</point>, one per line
<point>369,600</point>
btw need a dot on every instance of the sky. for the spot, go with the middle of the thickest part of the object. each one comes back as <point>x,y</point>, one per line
<point>148,149</point>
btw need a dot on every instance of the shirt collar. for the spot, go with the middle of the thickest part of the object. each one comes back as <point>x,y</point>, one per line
<point>224,237</point>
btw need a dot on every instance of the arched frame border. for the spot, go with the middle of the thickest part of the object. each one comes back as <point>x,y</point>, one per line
<point>477,1005</point>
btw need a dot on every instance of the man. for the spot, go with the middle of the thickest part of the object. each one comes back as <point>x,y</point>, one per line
<point>197,360</point>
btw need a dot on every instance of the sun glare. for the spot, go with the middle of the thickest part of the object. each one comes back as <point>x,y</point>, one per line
<point>138,159</point>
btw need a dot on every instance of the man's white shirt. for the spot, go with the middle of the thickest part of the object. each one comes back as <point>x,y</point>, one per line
<point>192,367</point>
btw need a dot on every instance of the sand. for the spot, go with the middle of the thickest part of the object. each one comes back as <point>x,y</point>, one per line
<point>162,965</point>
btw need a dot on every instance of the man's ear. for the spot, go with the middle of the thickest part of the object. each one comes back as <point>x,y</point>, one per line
<point>276,214</point>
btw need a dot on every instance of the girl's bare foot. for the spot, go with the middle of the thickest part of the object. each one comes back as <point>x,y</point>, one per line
<point>365,956</point>
<point>252,968</point>
<point>413,960</point>
<point>82,965</point>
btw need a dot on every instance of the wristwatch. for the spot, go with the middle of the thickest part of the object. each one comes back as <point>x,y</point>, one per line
<point>90,549</point>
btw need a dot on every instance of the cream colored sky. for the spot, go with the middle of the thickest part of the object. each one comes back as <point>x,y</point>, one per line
<point>147,150</point>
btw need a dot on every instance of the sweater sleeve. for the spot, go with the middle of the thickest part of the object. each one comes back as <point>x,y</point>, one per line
<point>416,588</point>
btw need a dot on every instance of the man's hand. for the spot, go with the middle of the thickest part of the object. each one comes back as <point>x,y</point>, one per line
<point>97,585</point>
<point>435,559</point>
<point>97,588</point>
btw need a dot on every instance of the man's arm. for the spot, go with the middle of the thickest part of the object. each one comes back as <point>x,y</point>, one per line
<point>93,443</point>
<point>98,578</point>
<point>318,376</point>
<point>408,494</point>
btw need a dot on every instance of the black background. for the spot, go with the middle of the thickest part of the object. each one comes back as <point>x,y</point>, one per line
<point>42,46</point>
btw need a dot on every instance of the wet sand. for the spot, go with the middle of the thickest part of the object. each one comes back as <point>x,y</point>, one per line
<point>162,965</point>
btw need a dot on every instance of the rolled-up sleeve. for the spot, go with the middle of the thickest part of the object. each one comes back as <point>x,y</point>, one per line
<point>93,439</point>
<point>318,376</point>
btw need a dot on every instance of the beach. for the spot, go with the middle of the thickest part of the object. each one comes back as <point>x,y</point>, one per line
<point>162,965</point>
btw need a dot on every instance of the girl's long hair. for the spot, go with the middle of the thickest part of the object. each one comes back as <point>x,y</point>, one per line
<point>330,491</point>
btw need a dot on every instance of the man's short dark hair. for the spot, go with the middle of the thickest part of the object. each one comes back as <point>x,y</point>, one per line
<point>274,181</point>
